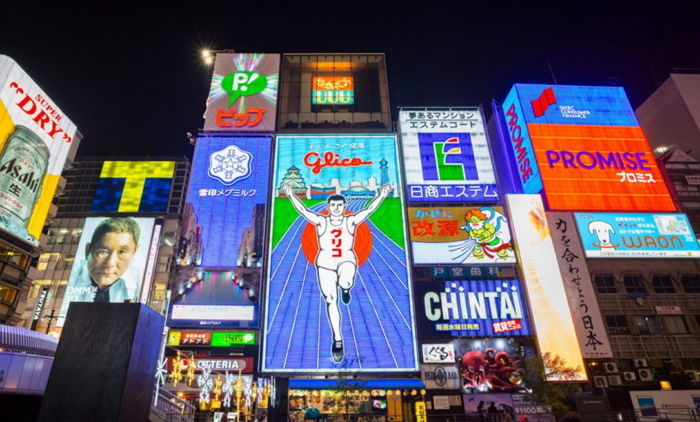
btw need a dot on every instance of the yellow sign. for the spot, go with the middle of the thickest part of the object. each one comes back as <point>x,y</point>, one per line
<point>421,414</point>
<point>174,338</point>
<point>136,173</point>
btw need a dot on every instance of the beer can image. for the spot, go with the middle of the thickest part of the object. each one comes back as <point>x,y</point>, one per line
<point>23,165</point>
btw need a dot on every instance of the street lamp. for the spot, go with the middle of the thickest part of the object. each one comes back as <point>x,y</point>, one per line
<point>208,55</point>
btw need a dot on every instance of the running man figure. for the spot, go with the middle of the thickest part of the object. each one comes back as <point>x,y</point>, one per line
<point>336,262</point>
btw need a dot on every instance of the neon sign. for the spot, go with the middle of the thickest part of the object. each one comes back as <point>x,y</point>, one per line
<point>333,90</point>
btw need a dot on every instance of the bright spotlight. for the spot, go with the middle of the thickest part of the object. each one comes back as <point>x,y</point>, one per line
<point>206,53</point>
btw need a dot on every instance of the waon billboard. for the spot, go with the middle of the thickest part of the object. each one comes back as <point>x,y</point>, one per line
<point>243,93</point>
<point>583,147</point>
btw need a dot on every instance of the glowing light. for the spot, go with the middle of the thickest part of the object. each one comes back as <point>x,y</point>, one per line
<point>206,53</point>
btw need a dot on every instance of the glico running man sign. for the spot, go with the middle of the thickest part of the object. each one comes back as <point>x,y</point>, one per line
<point>338,288</point>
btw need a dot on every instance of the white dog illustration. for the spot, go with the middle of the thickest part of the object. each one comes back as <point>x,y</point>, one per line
<point>602,231</point>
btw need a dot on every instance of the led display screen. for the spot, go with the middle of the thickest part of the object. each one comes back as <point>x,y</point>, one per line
<point>460,235</point>
<point>243,93</point>
<point>492,364</point>
<point>550,309</point>
<point>584,147</point>
<point>607,235</point>
<point>36,138</point>
<point>334,90</point>
<point>223,339</point>
<point>471,308</point>
<point>228,190</point>
<point>110,262</point>
<point>338,293</point>
<point>134,186</point>
<point>447,156</point>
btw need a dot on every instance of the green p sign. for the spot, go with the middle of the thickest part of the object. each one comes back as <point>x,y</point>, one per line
<point>219,339</point>
<point>243,83</point>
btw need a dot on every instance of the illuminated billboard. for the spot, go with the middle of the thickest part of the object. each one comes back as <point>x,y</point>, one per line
<point>550,310</point>
<point>584,148</point>
<point>111,262</point>
<point>460,235</point>
<point>484,308</point>
<point>607,235</point>
<point>243,93</point>
<point>228,191</point>
<point>36,138</point>
<point>447,156</point>
<point>332,90</point>
<point>134,186</point>
<point>338,292</point>
<point>492,364</point>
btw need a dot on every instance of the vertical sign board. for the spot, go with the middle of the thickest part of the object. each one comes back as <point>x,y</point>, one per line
<point>134,186</point>
<point>36,138</point>
<point>552,316</point>
<point>243,93</point>
<point>460,235</point>
<point>447,156</point>
<point>338,292</point>
<point>583,146</point>
<point>578,286</point>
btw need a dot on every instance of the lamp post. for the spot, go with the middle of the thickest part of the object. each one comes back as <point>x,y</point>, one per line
<point>208,55</point>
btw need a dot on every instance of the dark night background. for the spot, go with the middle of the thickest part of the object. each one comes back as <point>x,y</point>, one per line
<point>130,76</point>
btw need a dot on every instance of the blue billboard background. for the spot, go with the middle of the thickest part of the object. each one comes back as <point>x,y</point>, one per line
<point>482,308</point>
<point>520,144</point>
<point>230,203</point>
<point>613,235</point>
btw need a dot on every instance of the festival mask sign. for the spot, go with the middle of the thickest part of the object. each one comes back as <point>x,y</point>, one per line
<point>338,289</point>
<point>460,235</point>
<point>243,93</point>
<point>447,156</point>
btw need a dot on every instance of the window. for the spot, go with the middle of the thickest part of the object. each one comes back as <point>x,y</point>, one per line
<point>662,283</point>
<point>634,283</point>
<point>675,324</point>
<point>7,294</point>
<point>691,283</point>
<point>617,325</point>
<point>605,283</point>
<point>646,325</point>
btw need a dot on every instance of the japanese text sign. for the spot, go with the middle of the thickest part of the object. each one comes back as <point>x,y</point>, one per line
<point>336,90</point>
<point>446,156</point>
<point>224,339</point>
<point>460,235</point>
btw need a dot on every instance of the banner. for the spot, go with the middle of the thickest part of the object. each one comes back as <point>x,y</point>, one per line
<point>460,235</point>
<point>338,292</point>
<point>446,156</point>
<point>440,376</point>
<point>590,330</point>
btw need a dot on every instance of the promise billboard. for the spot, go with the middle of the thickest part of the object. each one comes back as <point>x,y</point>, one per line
<point>583,147</point>
<point>338,289</point>
<point>36,138</point>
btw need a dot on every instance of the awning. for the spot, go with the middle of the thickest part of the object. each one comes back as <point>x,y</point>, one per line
<point>375,384</point>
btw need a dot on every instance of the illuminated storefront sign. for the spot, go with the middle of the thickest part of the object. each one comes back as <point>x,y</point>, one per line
<point>134,186</point>
<point>549,306</point>
<point>440,376</point>
<point>606,235</point>
<point>242,364</point>
<point>460,235</point>
<point>334,90</point>
<point>584,147</point>
<point>471,308</point>
<point>211,314</point>
<point>243,93</point>
<point>447,156</point>
<point>110,262</point>
<point>178,338</point>
<point>438,353</point>
<point>220,339</point>
<point>35,140</point>
<point>338,281</point>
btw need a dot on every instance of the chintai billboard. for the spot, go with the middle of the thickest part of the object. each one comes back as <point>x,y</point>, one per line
<point>338,290</point>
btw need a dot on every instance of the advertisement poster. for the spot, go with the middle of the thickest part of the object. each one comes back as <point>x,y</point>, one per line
<point>440,376</point>
<point>578,286</point>
<point>36,138</point>
<point>110,262</point>
<point>447,156</point>
<point>460,235</point>
<point>243,93</point>
<point>607,235</point>
<point>438,353</point>
<point>576,143</point>
<point>338,288</point>
<point>134,186</point>
<point>471,308</point>
<point>481,405</point>
<point>492,364</point>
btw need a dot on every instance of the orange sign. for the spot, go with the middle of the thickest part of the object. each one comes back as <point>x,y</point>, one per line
<point>332,83</point>
<point>596,168</point>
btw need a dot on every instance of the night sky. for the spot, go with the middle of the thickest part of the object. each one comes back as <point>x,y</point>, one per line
<point>131,78</point>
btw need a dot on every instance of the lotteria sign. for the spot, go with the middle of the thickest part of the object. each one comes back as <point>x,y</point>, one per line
<point>583,146</point>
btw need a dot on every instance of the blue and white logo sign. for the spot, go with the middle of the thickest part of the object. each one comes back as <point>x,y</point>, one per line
<point>230,165</point>
<point>608,235</point>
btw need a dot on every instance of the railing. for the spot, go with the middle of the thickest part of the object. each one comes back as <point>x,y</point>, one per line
<point>172,408</point>
<point>675,414</point>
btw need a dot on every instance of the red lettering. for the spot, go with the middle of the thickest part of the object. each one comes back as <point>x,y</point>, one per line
<point>41,119</point>
<point>55,129</point>
<point>313,160</point>
<point>26,100</point>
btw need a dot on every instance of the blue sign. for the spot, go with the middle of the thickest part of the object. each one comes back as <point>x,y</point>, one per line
<point>574,105</point>
<point>520,143</point>
<point>228,190</point>
<point>484,308</point>
<point>608,235</point>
